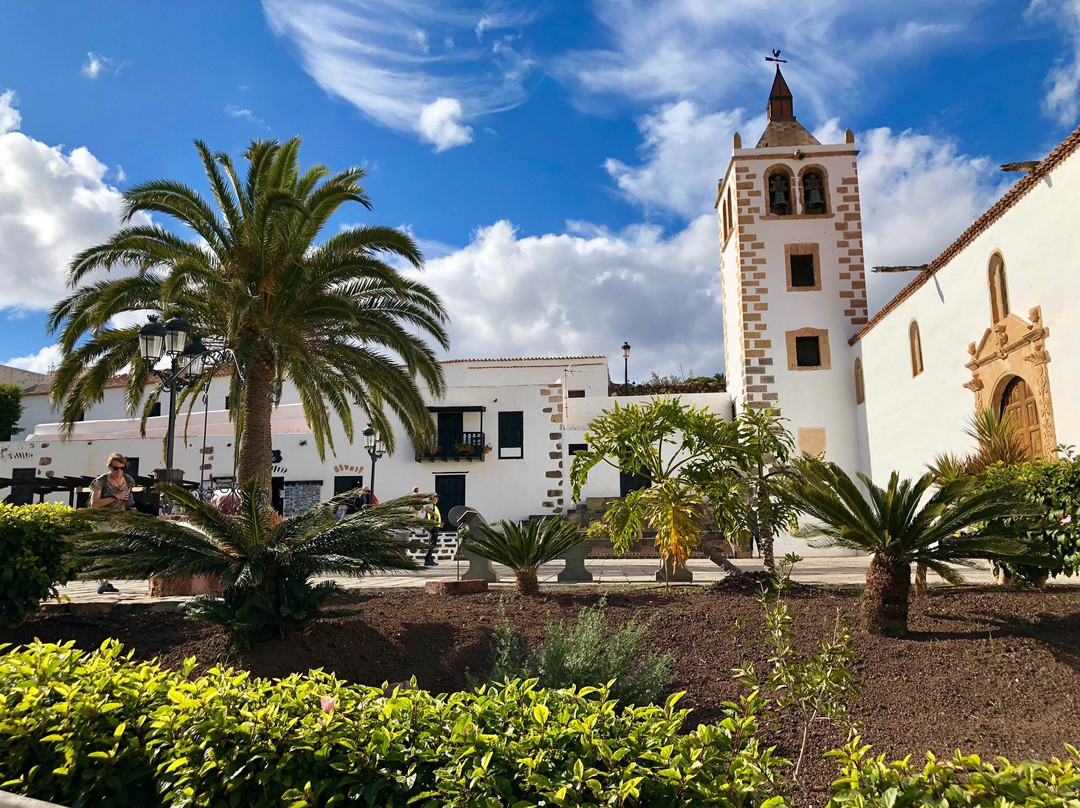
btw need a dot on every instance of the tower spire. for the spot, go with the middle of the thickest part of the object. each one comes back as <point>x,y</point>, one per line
<point>782,128</point>
<point>780,107</point>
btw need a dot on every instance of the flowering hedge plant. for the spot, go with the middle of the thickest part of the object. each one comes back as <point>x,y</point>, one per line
<point>1055,485</point>
<point>100,729</point>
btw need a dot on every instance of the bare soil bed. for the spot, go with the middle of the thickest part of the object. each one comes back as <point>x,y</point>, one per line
<point>987,671</point>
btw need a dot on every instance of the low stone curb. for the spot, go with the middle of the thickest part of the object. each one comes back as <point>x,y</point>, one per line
<point>9,800</point>
<point>102,607</point>
<point>455,587</point>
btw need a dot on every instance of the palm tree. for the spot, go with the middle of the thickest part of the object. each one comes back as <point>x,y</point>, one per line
<point>954,525</point>
<point>335,319</point>
<point>524,548</point>
<point>265,563</point>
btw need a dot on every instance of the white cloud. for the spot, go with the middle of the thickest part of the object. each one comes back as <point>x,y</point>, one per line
<point>685,154</point>
<point>440,123</point>
<point>1062,99</point>
<point>918,194</point>
<point>245,114</point>
<point>96,64</point>
<point>419,38</point>
<point>513,295</point>
<point>10,119</point>
<point>370,54</point>
<point>52,205</point>
<point>44,361</point>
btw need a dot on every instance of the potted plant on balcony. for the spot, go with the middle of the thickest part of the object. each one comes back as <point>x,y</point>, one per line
<point>464,449</point>
<point>487,448</point>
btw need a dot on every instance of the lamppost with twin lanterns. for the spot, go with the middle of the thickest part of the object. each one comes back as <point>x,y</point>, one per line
<point>189,359</point>
<point>375,449</point>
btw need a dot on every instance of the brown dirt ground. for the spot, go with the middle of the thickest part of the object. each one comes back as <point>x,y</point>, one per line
<point>987,671</point>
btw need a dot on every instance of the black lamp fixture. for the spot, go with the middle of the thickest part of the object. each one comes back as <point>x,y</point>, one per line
<point>626,368</point>
<point>189,359</point>
<point>375,449</point>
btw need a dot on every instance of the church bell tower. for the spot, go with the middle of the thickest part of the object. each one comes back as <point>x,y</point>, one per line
<point>793,281</point>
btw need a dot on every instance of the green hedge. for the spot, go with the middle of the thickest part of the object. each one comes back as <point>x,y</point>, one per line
<point>1054,484</point>
<point>32,556</point>
<point>963,782</point>
<point>99,729</point>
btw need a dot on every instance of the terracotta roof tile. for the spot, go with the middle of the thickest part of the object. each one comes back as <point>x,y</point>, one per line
<point>1058,156</point>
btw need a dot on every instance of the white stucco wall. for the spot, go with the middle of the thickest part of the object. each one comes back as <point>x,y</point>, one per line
<point>911,419</point>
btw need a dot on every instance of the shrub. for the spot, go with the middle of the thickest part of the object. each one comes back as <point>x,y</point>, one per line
<point>32,556</point>
<point>99,729</point>
<point>1054,486</point>
<point>587,652</point>
<point>963,782</point>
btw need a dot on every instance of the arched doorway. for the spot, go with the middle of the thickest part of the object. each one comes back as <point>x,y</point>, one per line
<point>1018,405</point>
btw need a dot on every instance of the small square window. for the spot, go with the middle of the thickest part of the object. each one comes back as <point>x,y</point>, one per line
<point>807,352</point>
<point>802,271</point>
<point>574,448</point>
<point>575,394</point>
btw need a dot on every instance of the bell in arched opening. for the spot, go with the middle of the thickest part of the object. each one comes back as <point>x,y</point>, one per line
<point>778,195</point>
<point>813,193</point>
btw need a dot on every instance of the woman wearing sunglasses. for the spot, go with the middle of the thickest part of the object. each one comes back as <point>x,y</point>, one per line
<point>112,491</point>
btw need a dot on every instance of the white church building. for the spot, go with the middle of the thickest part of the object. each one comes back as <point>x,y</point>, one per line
<point>976,327</point>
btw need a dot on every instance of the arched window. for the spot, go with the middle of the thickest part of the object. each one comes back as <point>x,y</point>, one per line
<point>860,390</point>
<point>814,191</point>
<point>999,288</point>
<point>780,203</point>
<point>916,348</point>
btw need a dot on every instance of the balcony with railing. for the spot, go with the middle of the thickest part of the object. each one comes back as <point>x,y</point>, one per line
<point>455,446</point>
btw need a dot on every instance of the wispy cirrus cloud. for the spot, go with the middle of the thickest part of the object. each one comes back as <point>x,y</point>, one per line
<point>245,114</point>
<point>666,51</point>
<point>96,65</point>
<point>404,64</point>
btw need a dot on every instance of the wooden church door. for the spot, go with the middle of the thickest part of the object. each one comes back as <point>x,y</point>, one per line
<point>1018,404</point>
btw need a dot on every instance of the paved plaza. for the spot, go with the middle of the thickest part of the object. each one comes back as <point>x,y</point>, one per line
<point>841,572</point>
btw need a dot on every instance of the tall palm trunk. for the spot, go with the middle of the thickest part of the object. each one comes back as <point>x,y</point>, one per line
<point>256,437</point>
<point>527,582</point>
<point>885,598</point>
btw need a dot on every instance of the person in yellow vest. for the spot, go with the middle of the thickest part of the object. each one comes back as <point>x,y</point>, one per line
<point>434,520</point>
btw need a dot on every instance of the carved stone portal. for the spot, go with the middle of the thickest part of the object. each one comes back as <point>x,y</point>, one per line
<point>1014,348</point>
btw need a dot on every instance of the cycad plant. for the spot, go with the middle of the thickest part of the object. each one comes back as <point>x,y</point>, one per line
<point>907,522</point>
<point>524,547</point>
<point>265,563</point>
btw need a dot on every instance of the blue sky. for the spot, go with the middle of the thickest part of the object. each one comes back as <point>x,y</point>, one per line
<point>557,160</point>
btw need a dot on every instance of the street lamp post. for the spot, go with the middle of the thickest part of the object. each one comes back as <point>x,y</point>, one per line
<point>626,368</point>
<point>375,449</point>
<point>188,360</point>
